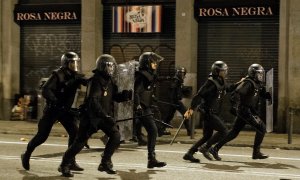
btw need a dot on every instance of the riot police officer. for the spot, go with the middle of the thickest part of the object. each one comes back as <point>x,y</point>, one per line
<point>59,91</point>
<point>250,91</point>
<point>209,98</point>
<point>176,91</point>
<point>143,94</point>
<point>97,113</point>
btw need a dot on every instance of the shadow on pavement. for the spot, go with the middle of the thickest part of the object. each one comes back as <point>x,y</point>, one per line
<point>133,174</point>
<point>29,176</point>
<point>236,168</point>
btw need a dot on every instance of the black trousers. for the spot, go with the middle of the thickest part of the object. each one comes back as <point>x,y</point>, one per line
<point>85,132</point>
<point>244,116</point>
<point>180,108</point>
<point>149,123</point>
<point>211,122</point>
<point>50,116</point>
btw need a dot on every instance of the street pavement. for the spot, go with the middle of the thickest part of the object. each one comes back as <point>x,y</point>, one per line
<point>244,139</point>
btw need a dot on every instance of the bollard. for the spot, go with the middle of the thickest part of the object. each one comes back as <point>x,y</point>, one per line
<point>291,122</point>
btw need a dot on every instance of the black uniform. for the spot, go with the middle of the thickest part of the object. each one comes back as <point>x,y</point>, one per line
<point>97,113</point>
<point>143,91</point>
<point>59,92</point>
<point>176,93</point>
<point>250,92</point>
<point>210,98</point>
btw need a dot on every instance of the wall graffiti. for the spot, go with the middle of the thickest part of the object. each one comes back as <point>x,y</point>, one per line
<point>41,55</point>
<point>129,51</point>
<point>52,44</point>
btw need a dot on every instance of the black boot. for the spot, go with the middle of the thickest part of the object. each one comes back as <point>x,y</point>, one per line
<point>204,150</point>
<point>75,167</point>
<point>215,152</point>
<point>25,157</point>
<point>153,162</point>
<point>258,155</point>
<point>65,170</point>
<point>189,157</point>
<point>107,166</point>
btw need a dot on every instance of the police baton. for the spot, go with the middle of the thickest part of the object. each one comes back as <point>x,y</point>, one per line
<point>176,134</point>
<point>166,124</point>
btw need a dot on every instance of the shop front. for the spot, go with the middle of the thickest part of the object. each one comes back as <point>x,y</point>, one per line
<point>47,30</point>
<point>239,33</point>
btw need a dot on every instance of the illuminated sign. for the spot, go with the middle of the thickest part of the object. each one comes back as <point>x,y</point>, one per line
<point>204,9</point>
<point>47,13</point>
<point>136,19</point>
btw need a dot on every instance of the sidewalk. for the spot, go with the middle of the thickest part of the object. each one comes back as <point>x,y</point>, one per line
<point>245,138</point>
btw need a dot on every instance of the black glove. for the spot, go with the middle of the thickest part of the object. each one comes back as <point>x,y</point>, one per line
<point>127,94</point>
<point>109,120</point>
<point>268,96</point>
<point>139,110</point>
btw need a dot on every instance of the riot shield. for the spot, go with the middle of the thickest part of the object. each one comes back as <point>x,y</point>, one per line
<point>269,104</point>
<point>123,110</point>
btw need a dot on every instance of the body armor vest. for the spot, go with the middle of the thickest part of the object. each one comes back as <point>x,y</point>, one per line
<point>103,92</point>
<point>215,102</point>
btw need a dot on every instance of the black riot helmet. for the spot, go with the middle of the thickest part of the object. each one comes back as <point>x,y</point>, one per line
<point>106,64</point>
<point>147,59</point>
<point>70,57</point>
<point>256,72</point>
<point>219,66</point>
<point>180,72</point>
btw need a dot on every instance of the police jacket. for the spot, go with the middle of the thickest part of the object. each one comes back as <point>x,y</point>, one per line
<point>143,88</point>
<point>60,89</point>
<point>250,92</point>
<point>210,96</point>
<point>100,95</point>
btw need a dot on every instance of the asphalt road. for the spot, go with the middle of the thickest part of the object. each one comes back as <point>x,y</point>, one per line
<point>130,162</point>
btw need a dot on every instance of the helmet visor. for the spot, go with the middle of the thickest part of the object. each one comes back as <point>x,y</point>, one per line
<point>224,71</point>
<point>260,75</point>
<point>110,68</point>
<point>181,74</point>
<point>74,65</point>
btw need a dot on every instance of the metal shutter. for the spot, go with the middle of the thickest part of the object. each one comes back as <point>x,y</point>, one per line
<point>41,49</point>
<point>239,43</point>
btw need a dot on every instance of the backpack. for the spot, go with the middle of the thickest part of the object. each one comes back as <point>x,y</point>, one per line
<point>235,97</point>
